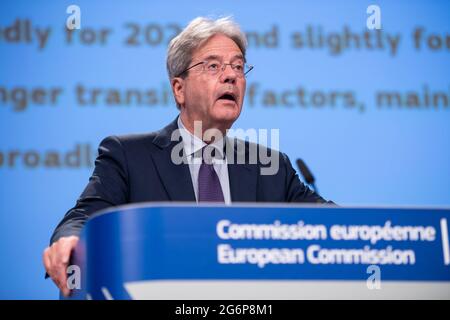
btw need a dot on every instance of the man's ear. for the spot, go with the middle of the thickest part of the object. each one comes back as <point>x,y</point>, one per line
<point>178,90</point>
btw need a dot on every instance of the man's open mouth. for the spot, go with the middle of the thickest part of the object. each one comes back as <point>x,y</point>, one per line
<point>227,96</point>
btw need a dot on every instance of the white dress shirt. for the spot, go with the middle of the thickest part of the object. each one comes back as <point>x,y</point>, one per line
<point>192,144</point>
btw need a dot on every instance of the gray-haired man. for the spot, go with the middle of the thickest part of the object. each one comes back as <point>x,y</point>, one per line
<point>207,68</point>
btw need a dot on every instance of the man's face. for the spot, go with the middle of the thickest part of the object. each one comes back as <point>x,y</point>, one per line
<point>217,99</point>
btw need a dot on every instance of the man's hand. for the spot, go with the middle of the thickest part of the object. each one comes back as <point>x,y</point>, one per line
<point>56,260</point>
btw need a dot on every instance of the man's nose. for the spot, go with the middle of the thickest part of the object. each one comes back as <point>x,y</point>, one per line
<point>228,75</point>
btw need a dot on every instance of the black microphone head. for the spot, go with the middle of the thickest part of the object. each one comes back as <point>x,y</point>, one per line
<point>307,175</point>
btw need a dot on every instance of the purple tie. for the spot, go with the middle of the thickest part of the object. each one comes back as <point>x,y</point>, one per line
<point>209,189</point>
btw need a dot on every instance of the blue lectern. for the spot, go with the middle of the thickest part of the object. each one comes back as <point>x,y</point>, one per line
<point>182,251</point>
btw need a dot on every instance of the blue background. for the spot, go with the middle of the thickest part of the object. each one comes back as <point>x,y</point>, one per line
<point>376,157</point>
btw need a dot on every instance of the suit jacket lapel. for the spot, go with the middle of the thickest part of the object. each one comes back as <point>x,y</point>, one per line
<point>175,178</point>
<point>243,177</point>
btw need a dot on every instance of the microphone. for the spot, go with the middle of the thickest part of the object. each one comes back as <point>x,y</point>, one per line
<point>307,175</point>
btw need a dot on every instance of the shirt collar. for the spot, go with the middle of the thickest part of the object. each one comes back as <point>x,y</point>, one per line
<point>192,143</point>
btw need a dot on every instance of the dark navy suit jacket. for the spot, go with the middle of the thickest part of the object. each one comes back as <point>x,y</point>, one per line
<point>138,168</point>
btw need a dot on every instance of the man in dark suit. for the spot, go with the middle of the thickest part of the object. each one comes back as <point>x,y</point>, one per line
<point>192,159</point>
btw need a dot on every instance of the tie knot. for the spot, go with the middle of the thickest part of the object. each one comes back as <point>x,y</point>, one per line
<point>210,153</point>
